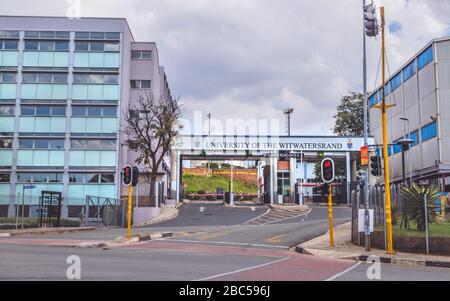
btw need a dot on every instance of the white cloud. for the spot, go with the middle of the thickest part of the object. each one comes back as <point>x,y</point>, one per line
<point>252,58</point>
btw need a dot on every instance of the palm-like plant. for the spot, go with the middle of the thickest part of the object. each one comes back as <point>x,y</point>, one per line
<point>415,205</point>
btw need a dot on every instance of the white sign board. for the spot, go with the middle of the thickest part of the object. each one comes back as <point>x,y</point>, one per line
<point>362,220</point>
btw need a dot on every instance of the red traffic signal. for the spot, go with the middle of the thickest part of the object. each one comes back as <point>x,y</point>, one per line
<point>127,175</point>
<point>327,168</point>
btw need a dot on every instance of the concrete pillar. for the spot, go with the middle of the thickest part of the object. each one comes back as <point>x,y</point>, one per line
<point>173,175</point>
<point>274,170</point>
<point>293,178</point>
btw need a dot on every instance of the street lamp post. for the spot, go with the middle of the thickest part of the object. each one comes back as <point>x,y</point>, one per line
<point>409,154</point>
<point>288,112</point>
<point>209,124</point>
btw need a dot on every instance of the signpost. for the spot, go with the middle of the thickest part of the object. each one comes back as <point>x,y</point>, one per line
<point>365,156</point>
<point>327,168</point>
<point>24,187</point>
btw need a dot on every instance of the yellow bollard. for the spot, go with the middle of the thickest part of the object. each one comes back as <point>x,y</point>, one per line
<point>130,196</point>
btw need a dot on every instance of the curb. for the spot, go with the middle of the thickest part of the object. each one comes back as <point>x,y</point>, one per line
<point>388,260</point>
<point>48,231</point>
<point>145,237</point>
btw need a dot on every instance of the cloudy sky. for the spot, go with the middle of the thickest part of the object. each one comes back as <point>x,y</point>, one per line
<point>252,58</point>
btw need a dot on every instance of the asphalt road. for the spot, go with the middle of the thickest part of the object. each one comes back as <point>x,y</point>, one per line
<point>224,248</point>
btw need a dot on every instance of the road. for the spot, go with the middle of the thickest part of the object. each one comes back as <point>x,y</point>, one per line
<point>223,247</point>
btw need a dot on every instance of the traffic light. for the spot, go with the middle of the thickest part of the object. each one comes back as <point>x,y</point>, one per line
<point>327,168</point>
<point>375,166</point>
<point>370,20</point>
<point>135,177</point>
<point>127,175</point>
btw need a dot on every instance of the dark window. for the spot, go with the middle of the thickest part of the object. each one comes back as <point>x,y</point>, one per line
<point>6,143</point>
<point>55,177</point>
<point>82,35</point>
<point>96,46</point>
<point>76,178</point>
<point>81,46</point>
<point>112,35</point>
<point>42,111</point>
<point>109,111</point>
<point>93,144</point>
<point>112,47</point>
<point>31,45</point>
<point>58,111</point>
<point>46,46</point>
<point>61,45</point>
<point>146,55</point>
<point>92,178</point>
<point>27,111</point>
<point>60,78</point>
<point>4,177</point>
<point>44,78</point>
<point>31,34</point>
<point>108,144</point>
<point>29,78</point>
<point>146,84</point>
<point>62,35</point>
<point>47,34</point>
<point>57,144</point>
<point>11,45</point>
<point>40,178</point>
<point>94,111</point>
<point>26,143</point>
<point>9,78</point>
<point>80,78</point>
<point>107,178</point>
<point>24,177</point>
<point>78,111</point>
<point>77,144</point>
<point>97,35</point>
<point>110,79</point>
<point>41,143</point>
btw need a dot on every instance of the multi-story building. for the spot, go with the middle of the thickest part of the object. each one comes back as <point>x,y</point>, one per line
<point>420,91</point>
<point>64,87</point>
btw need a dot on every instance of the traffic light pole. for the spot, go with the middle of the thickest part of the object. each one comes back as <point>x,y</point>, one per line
<point>366,172</point>
<point>130,196</point>
<point>384,107</point>
<point>330,214</point>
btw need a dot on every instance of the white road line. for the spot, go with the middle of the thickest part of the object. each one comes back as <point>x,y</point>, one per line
<point>344,272</point>
<point>282,220</point>
<point>268,210</point>
<point>243,270</point>
<point>229,243</point>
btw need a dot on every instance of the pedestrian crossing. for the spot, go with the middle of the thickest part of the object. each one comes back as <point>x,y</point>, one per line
<point>275,215</point>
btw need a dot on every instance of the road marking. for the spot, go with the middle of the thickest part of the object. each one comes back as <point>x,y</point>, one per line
<point>276,239</point>
<point>243,270</point>
<point>344,272</point>
<point>229,243</point>
<point>268,210</point>
<point>263,218</point>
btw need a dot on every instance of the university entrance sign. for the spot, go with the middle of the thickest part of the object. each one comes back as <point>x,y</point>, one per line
<point>263,143</point>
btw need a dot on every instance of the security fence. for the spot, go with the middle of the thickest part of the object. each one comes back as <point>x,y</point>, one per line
<point>420,218</point>
<point>104,212</point>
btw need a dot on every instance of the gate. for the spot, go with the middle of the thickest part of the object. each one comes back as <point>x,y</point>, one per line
<point>50,209</point>
<point>104,212</point>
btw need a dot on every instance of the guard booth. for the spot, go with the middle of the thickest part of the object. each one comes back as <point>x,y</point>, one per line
<point>49,210</point>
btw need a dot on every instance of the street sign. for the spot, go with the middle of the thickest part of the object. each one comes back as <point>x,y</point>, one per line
<point>29,187</point>
<point>364,227</point>
<point>365,156</point>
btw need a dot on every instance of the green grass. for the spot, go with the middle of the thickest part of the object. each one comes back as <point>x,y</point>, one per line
<point>209,184</point>
<point>435,230</point>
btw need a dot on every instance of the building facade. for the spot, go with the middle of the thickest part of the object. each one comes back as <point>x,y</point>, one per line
<point>64,87</point>
<point>420,91</point>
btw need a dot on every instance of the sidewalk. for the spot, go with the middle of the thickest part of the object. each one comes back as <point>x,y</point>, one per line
<point>168,212</point>
<point>319,246</point>
<point>43,231</point>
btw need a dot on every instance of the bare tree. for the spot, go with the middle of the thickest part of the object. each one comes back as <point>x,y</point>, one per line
<point>151,126</point>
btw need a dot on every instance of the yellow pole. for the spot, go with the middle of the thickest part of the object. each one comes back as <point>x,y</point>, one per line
<point>330,215</point>
<point>130,196</point>
<point>390,249</point>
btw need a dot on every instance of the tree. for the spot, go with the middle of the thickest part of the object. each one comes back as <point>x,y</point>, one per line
<point>151,126</point>
<point>349,119</point>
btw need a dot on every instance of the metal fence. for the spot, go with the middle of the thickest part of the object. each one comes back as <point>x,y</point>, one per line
<point>104,212</point>
<point>419,225</point>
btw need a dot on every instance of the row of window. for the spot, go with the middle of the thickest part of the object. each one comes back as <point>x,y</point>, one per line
<point>47,34</point>
<point>141,54</point>
<point>45,78</point>
<point>93,144</point>
<point>47,45</point>
<point>43,110</point>
<point>9,45</point>
<point>409,71</point>
<point>98,111</point>
<point>97,46</point>
<point>97,35</point>
<point>9,34</point>
<point>76,144</point>
<point>96,79</point>
<point>428,132</point>
<point>8,77</point>
<point>41,143</point>
<point>106,111</point>
<point>58,178</point>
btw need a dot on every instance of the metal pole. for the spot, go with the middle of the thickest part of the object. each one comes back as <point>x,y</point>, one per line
<point>365,108</point>
<point>410,157</point>
<point>23,204</point>
<point>231,185</point>
<point>130,195</point>
<point>330,214</point>
<point>302,201</point>
<point>387,180</point>
<point>426,224</point>
<point>17,211</point>
<point>137,195</point>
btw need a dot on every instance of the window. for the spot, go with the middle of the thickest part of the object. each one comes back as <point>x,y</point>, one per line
<point>112,47</point>
<point>41,143</point>
<point>141,84</point>
<point>409,71</point>
<point>91,178</point>
<point>9,34</point>
<point>373,100</point>
<point>397,148</point>
<point>429,132</point>
<point>415,138</point>
<point>39,177</point>
<point>47,45</point>
<point>5,143</point>
<point>81,46</point>
<point>94,111</point>
<point>96,79</point>
<point>93,144</point>
<point>61,46</point>
<point>396,81</point>
<point>43,111</point>
<point>10,45</point>
<point>97,46</point>
<point>57,144</point>
<point>47,34</point>
<point>141,54</point>
<point>109,111</point>
<point>31,45</point>
<point>76,178</point>
<point>107,178</point>
<point>97,35</point>
<point>8,77</point>
<point>5,177</point>
<point>44,78</point>
<point>26,143</point>
<point>425,58</point>
<point>24,177</point>
<point>6,110</point>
